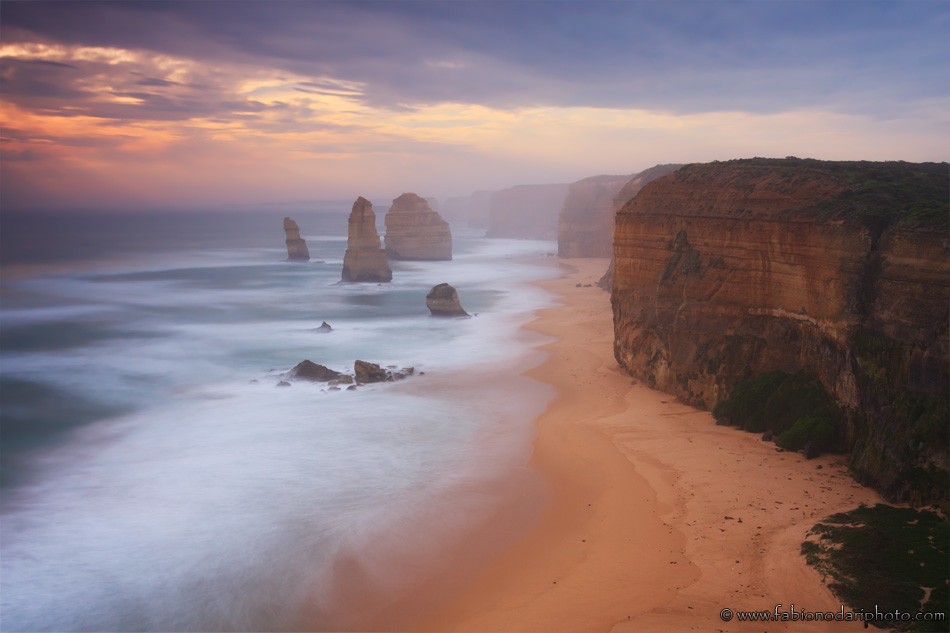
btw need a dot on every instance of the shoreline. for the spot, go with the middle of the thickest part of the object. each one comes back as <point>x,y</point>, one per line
<point>657,519</point>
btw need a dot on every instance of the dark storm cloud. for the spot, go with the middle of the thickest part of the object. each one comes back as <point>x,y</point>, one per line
<point>151,81</point>
<point>71,90</point>
<point>681,57</point>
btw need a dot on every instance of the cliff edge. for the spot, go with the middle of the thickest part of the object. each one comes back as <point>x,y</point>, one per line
<point>727,270</point>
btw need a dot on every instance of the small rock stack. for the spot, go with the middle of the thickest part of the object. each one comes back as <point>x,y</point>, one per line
<point>297,250</point>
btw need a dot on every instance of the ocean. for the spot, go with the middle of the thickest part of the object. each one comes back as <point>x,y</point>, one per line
<point>155,478</point>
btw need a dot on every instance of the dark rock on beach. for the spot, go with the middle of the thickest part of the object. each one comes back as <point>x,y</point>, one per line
<point>307,370</point>
<point>369,372</point>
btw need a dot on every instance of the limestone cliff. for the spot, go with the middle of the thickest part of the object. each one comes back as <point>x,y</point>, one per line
<point>365,260</point>
<point>585,223</point>
<point>633,186</point>
<point>526,211</point>
<point>727,270</point>
<point>296,246</point>
<point>416,232</point>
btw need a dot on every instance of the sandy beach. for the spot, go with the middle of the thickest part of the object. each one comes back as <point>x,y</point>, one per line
<point>658,519</point>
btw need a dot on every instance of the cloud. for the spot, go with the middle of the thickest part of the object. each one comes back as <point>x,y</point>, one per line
<point>180,103</point>
<point>685,57</point>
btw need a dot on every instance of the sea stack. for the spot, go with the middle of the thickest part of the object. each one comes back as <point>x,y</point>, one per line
<point>297,250</point>
<point>443,300</point>
<point>415,232</point>
<point>365,260</point>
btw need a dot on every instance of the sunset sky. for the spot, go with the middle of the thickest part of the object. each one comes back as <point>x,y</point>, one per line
<point>134,105</point>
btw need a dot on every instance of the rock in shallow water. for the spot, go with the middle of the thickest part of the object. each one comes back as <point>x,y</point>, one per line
<point>297,250</point>
<point>369,372</point>
<point>415,232</point>
<point>365,260</point>
<point>443,300</point>
<point>307,370</point>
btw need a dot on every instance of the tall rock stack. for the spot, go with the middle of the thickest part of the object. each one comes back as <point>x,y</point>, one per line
<point>365,260</point>
<point>416,232</point>
<point>297,250</point>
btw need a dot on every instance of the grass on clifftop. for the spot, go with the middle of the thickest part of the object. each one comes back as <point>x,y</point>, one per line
<point>881,194</point>
<point>895,558</point>
<point>795,407</point>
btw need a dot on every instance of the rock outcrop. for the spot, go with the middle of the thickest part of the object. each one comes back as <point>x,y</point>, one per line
<point>297,250</point>
<point>526,211</point>
<point>371,372</point>
<point>443,300</point>
<point>365,260</point>
<point>727,270</point>
<point>416,232</point>
<point>607,281</point>
<point>307,370</point>
<point>585,225</point>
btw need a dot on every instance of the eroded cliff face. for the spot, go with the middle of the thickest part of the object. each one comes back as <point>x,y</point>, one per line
<point>415,232</point>
<point>365,260</point>
<point>727,270</point>
<point>586,221</point>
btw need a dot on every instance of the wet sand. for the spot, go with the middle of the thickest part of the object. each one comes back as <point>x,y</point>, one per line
<point>657,519</point>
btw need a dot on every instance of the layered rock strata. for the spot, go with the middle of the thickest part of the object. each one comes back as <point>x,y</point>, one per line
<point>296,246</point>
<point>727,270</point>
<point>415,232</point>
<point>443,300</point>
<point>365,260</point>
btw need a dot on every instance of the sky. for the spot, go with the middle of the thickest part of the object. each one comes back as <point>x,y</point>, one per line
<point>218,105</point>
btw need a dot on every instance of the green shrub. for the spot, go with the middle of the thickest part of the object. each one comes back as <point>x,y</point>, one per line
<point>793,404</point>
<point>746,403</point>
<point>817,429</point>
<point>884,556</point>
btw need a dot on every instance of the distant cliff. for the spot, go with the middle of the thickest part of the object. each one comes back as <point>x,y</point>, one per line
<point>585,225</point>
<point>472,210</point>
<point>586,221</point>
<point>526,211</point>
<point>727,270</point>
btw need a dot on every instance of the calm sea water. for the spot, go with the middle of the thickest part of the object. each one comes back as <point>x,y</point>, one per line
<point>154,477</point>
